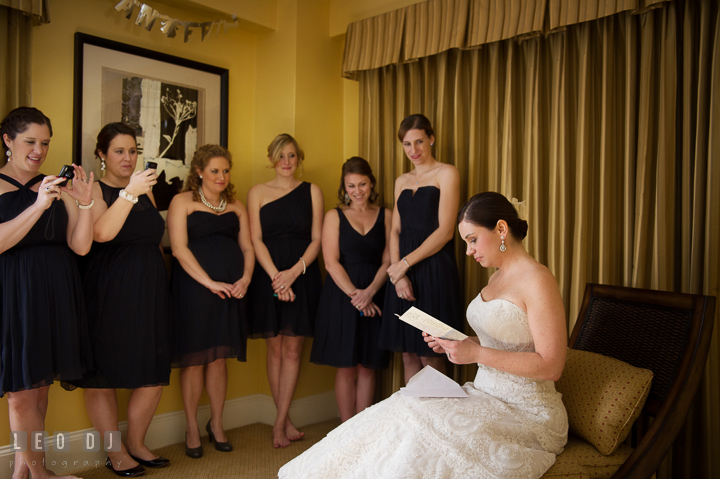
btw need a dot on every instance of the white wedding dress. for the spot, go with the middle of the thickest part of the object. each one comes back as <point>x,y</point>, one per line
<point>508,427</point>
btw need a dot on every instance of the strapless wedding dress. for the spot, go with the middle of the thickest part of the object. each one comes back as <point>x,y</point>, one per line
<point>508,427</point>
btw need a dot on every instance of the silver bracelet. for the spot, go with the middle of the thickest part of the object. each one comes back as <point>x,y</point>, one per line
<point>406,262</point>
<point>85,207</point>
<point>304,266</point>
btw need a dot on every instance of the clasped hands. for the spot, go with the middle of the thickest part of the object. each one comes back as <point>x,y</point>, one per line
<point>403,287</point>
<point>282,282</point>
<point>361,299</point>
<point>226,290</point>
<point>458,352</point>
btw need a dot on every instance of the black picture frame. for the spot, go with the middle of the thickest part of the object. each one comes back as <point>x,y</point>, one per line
<point>97,101</point>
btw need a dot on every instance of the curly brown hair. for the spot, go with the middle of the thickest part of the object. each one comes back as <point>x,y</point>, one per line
<point>200,160</point>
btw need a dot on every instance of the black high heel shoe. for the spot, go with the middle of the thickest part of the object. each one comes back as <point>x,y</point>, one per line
<point>158,462</point>
<point>132,472</point>
<point>194,452</point>
<point>220,446</point>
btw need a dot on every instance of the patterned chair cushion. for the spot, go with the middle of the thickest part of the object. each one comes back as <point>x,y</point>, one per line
<point>582,461</point>
<point>603,397</point>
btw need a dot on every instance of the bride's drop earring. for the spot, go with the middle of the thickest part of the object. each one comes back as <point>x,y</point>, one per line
<point>502,244</point>
<point>9,154</point>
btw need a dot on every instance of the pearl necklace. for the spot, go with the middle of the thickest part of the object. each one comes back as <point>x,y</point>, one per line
<point>216,209</point>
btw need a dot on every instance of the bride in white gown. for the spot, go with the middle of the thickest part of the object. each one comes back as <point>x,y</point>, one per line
<point>513,423</point>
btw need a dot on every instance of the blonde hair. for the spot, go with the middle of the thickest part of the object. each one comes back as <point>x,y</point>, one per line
<point>279,143</point>
<point>200,160</point>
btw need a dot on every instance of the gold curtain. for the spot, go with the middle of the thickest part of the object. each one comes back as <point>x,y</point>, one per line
<point>17,18</point>
<point>434,26</point>
<point>569,12</point>
<point>610,130</point>
<point>492,20</point>
<point>30,7</point>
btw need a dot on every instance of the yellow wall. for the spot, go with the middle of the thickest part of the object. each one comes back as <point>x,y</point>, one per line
<point>283,80</point>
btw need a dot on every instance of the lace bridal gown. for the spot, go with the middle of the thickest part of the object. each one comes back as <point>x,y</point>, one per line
<point>508,427</point>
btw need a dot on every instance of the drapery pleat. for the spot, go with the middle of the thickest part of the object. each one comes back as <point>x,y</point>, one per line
<point>38,9</point>
<point>493,20</point>
<point>610,129</point>
<point>373,42</point>
<point>15,59</point>
<point>434,26</point>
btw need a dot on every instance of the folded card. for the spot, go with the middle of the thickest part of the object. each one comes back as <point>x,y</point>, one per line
<point>432,326</point>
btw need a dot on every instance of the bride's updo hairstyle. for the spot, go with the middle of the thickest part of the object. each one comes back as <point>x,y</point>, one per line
<point>486,209</point>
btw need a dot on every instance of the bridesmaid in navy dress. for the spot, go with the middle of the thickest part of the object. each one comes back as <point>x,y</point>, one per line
<point>214,263</point>
<point>286,226</point>
<point>128,300</point>
<point>44,326</point>
<point>356,253</point>
<point>423,272</point>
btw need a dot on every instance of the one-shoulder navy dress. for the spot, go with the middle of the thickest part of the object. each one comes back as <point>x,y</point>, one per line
<point>44,325</point>
<point>287,232</point>
<point>207,327</point>
<point>128,301</point>
<point>435,280</point>
<point>343,338</point>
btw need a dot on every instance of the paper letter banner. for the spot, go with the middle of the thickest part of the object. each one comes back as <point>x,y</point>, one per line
<point>168,25</point>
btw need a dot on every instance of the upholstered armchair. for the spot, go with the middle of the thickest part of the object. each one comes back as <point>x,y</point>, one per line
<point>635,363</point>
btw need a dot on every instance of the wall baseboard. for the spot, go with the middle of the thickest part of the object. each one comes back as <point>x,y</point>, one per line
<point>169,428</point>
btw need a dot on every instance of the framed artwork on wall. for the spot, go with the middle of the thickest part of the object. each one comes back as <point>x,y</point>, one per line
<point>174,105</point>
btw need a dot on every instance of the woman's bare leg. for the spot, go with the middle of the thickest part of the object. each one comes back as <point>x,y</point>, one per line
<point>286,375</point>
<point>412,365</point>
<point>365,390</point>
<point>21,470</point>
<point>345,392</point>
<point>191,386</point>
<point>436,363</point>
<point>26,414</point>
<point>101,405</point>
<point>141,409</point>
<point>216,386</point>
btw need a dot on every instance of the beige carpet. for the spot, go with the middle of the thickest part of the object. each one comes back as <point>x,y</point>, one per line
<point>253,456</point>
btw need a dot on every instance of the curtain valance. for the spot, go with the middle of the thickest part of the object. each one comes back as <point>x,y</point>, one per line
<point>431,27</point>
<point>38,9</point>
<point>569,12</point>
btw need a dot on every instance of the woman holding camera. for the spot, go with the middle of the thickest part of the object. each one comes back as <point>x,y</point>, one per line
<point>128,301</point>
<point>210,240</point>
<point>43,221</point>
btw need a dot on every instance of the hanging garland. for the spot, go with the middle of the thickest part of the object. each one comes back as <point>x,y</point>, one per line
<point>168,25</point>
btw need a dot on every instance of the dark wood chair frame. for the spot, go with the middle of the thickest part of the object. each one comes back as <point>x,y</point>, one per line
<point>668,333</point>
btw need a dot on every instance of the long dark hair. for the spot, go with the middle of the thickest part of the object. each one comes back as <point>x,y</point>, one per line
<point>486,209</point>
<point>19,119</point>
<point>358,166</point>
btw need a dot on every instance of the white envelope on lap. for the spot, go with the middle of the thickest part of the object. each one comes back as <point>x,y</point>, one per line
<point>431,383</point>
